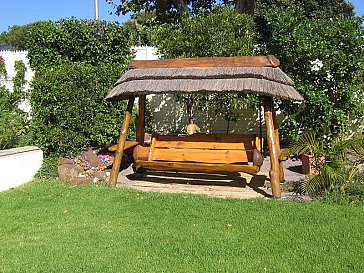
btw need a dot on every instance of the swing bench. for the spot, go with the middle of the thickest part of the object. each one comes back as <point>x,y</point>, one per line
<point>203,152</point>
<point>211,153</point>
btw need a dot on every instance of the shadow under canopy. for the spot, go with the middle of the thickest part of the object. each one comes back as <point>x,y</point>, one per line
<point>244,74</point>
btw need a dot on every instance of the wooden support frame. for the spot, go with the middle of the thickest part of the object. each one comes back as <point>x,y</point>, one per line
<point>121,144</point>
<point>140,125</point>
<point>273,144</point>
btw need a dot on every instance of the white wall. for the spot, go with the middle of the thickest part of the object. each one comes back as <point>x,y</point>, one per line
<point>145,53</point>
<point>18,166</point>
<point>10,57</point>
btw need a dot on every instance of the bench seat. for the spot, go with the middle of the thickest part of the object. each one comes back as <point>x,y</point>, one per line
<point>211,153</point>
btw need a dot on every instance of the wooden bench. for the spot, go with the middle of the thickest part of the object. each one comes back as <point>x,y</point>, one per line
<point>211,153</point>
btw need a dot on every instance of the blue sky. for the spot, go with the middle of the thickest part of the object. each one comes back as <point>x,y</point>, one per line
<point>21,12</point>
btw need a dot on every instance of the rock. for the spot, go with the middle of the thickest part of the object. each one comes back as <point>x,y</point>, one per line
<point>92,158</point>
<point>63,161</point>
<point>81,180</point>
<point>100,175</point>
<point>69,171</point>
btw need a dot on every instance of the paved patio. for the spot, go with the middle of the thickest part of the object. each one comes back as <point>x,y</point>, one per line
<point>219,185</point>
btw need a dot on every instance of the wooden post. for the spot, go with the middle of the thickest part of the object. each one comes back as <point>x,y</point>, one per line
<point>273,145</point>
<point>140,125</point>
<point>121,144</point>
<point>276,133</point>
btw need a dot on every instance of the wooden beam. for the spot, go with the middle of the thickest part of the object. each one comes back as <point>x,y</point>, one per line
<point>197,167</point>
<point>128,144</point>
<point>273,145</point>
<point>251,61</point>
<point>121,144</point>
<point>140,125</point>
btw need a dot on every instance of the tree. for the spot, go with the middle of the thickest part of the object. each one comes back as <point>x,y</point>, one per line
<point>172,10</point>
<point>325,58</point>
<point>16,36</point>
<point>221,33</point>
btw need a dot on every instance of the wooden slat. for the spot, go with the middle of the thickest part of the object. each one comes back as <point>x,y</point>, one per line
<point>251,61</point>
<point>204,156</point>
<point>197,167</point>
<point>207,141</point>
<point>128,144</point>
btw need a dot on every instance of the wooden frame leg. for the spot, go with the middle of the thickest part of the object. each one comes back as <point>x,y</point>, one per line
<point>273,144</point>
<point>276,133</point>
<point>121,144</point>
<point>140,125</point>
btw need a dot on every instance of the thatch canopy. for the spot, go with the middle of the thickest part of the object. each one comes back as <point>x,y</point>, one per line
<point>217,75</point>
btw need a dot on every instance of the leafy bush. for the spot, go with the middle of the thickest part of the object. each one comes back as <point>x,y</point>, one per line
<point>49,167</point>
<point>324,57</point>
<point>11,129</point>
<point>76,64</point>
<point>338,162</point>
<point>353,195</point>
<point>88,41</point>
<point>69,109</point>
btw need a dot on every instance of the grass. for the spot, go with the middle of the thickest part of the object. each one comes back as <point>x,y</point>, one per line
<point>49,227</point>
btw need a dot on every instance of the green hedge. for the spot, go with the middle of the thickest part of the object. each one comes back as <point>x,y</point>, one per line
<point>69,109</point>
<point>76,64</point>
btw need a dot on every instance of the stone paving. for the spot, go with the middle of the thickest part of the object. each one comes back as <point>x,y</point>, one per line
<point>229,186</point>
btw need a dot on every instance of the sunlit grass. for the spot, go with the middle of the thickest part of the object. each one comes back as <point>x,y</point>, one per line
<point>49,227</point>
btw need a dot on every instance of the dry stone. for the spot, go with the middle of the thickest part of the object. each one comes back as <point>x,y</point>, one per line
<point>100,175</point>
<point>69,171</point>
<point>92,158</point>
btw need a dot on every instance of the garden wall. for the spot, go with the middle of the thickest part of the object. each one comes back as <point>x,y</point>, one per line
<point>19,165</point>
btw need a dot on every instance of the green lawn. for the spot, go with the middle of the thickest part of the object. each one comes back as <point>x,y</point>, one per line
<point>48,227</point>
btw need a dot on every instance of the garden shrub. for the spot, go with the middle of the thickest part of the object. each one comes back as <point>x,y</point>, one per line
<point>89,41</point>
<point>76,64</point>
<point>69,107</point>
<point>324,57</point>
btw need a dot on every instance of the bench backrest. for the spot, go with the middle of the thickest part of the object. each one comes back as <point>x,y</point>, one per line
<point>204,148</point>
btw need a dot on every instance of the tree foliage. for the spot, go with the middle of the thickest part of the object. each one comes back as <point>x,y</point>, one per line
<point>16,36</point>
<point>221,33</point>
<point>172,10</point>
<point>325,58</point>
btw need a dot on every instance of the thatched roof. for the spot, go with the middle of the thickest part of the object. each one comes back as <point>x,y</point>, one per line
<point>265,79</point>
